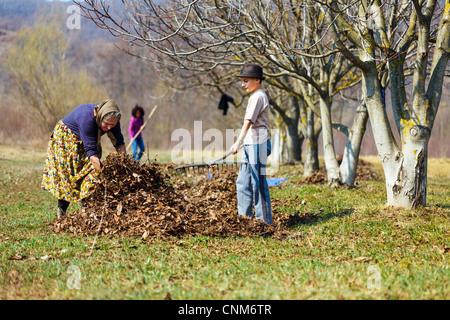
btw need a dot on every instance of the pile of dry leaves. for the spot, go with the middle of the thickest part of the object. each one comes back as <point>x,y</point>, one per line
<point>139,200</point>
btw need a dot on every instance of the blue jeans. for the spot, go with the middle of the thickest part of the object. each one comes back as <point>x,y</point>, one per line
<point>138,142</point>
<point>251,183</point>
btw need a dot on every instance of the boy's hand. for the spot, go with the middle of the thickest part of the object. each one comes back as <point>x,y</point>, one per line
<point>235,147</point>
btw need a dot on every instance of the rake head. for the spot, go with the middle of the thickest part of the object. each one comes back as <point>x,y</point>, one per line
<point>202,168</point>
<point>213,166</point>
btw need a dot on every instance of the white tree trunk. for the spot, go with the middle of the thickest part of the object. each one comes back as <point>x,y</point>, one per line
<point>331,163</point>
<point>350,157</point>
<point>405,169</point>
<point>407,187</point>
<point>276,139</point>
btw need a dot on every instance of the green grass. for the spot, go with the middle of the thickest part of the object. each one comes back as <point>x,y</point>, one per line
<point>329,257</point>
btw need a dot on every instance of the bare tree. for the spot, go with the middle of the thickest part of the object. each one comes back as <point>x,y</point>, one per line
<point>287,37</point>
<point>397,45</point>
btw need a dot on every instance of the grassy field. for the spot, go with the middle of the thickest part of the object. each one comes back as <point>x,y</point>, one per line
<point>354,248</point>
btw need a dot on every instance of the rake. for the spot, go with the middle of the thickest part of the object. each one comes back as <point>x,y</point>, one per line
<point>212,166</point>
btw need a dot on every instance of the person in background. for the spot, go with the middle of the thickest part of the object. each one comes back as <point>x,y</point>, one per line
<point>251,183</point>
<point>74,151</point>
<point>136,122</point>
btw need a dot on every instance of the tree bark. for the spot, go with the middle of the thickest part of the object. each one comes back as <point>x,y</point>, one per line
<point>354,139</point>
<point>408,188</point>
<point>294,142</point>
<point>290,115</point>
<point>405,169</point>
<point>329,153</point>
<point>311,146</point>
<point>276,139</point>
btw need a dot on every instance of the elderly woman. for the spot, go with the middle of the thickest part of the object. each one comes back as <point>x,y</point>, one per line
<point>74,151</point>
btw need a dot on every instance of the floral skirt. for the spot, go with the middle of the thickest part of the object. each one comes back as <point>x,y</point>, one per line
<point>68,172</point>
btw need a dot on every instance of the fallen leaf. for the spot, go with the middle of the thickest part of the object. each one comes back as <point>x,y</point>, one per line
<point>13,273</point>
<point>119,209</point>
<point>365,259</point>
<point>17,257</point>
<point>444,250</point>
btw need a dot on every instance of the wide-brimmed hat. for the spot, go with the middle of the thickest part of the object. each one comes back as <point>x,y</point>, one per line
<point>251,70</point>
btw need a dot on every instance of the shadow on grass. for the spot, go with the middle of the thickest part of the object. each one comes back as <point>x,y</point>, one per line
<point>321,216</point>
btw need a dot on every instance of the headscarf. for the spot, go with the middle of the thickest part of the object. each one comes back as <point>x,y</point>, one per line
<point>100,111</point>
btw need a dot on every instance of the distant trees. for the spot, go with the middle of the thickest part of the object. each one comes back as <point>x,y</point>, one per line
<point>41,75</point>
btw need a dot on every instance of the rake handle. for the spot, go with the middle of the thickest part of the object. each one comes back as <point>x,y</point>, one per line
<point>225,156</point>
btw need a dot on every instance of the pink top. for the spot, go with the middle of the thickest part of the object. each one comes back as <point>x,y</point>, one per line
<point>135,125</point>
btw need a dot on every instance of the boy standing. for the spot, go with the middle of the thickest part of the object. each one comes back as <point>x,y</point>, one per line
<point>251,184</point>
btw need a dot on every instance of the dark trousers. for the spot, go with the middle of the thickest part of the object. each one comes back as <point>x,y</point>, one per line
<point>63,204</point>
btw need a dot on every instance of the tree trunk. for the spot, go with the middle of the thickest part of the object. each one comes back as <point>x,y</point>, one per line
<point>329,153</point>
<point>294,142</point>
<point>277,146</point>
<point>408,186</point>
<point>312,152</point>
<point>294,137</point>
<point>406,169</point>
<point>354,139</point>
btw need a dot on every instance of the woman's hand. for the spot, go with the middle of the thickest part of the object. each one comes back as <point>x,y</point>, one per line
<point>96,163</point>
<point>121,149</point>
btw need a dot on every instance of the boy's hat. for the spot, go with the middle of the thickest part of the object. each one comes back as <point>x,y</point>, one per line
<point>250,70</point>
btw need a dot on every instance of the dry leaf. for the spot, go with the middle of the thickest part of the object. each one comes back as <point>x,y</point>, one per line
<point>13,273</point>
<point>17,257</point>
<point>119,209</point>
<point>365,259</point>
<point>444,250</point>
